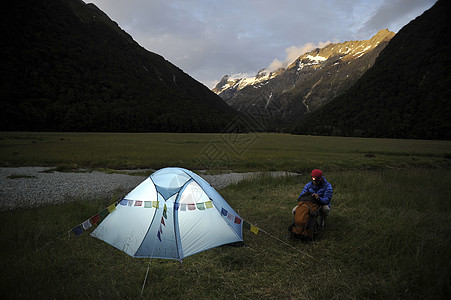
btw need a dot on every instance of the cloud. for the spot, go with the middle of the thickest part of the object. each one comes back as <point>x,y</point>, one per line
<point>208,39</point>
<point>394,14</point>
<point>293,53</point>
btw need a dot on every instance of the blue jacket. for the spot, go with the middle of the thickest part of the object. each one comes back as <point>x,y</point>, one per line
<point>324,191</point>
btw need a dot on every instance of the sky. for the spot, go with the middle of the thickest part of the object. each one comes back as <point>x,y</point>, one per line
<point>208,39</point>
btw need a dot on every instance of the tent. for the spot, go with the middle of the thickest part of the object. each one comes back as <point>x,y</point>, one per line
<point>172,214</point>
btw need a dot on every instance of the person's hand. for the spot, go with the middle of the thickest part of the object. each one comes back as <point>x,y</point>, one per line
<point>316,196</point>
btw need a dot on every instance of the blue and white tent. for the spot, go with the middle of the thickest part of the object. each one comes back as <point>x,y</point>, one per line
<point>172,214</point>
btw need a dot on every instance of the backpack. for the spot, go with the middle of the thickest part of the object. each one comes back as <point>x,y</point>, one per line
<point>305,224</point>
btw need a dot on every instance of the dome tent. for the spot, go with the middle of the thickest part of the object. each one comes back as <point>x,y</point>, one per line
<point>172,214</point>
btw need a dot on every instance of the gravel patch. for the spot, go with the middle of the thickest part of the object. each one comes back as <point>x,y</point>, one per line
<point>56,187</point>
<point>31,187</point>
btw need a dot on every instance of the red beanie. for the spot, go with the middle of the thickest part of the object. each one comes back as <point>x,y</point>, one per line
<point>317,173</point>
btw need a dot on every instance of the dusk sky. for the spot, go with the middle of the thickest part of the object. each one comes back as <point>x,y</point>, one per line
<point>208,39</point>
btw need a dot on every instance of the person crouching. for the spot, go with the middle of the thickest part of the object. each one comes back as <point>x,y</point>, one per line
<point>322,191</point>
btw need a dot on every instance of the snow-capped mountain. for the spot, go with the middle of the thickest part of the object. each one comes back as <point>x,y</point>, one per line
<point>237,82</point>
<point>405,94</point>
<point>312,80</point>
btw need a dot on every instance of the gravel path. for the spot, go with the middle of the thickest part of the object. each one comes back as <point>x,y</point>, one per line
<point>56,187</point>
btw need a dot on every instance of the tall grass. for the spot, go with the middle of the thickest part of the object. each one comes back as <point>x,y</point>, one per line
<point>387,236</point>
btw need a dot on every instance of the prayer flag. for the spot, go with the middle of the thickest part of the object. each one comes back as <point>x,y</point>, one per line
<point>130,202</point>
<point>111,208</point>
<point>224,212</point>
<point>86,224</point>
<point>191,206</point>
<point>78,230</point>
<point>183,207</point>
<point>208,204</point>
<point>124,202</point>
<point>138,203</point>
<point>165,212</point>
<point>103,213</point>
<point>200,206</point>
<point>162,221</point>
<point>254,229</point>
<point>237,220</point>
<point>147,204</point>
<point>95,219</point>
<point>158,235</point>
<point>230,216</point>
<point>155,204</point>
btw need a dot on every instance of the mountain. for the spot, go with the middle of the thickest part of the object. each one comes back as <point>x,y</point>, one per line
<point>228,86</point>
<point>311,81</point>
<point>406,94</point>
<point>66,66</point>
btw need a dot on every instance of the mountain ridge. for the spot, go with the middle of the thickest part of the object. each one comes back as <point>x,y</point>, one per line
<point>407,92</point>
<point>68,67</point>
<point>312,80</point>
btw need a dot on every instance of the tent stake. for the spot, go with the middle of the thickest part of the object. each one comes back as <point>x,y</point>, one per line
<point>145,279</point>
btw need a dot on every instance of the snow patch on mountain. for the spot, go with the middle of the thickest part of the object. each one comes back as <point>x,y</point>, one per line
<point>240,81</point>
<point>332,54</point>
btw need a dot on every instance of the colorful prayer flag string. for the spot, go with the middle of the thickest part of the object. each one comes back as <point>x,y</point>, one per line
<point>112,208</point>
<point>77,230</point>
<point>103,213</point>
<point>176,206</point>
<point>254,229</point>
<point>86,225</point>
<point>248,226</point>
<point>95,219</point>
<point>165,209</point>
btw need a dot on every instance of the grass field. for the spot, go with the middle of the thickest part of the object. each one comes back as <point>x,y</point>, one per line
<point>238,152</point>
<point>388,235</point>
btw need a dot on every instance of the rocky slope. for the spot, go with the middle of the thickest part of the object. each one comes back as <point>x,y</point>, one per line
<point>311,81</point>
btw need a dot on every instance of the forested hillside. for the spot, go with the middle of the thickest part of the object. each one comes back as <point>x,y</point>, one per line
<point>406,94</point>
<point>67,67</point>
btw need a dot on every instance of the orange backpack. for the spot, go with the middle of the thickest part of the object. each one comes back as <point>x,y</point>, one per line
<point>305,217</point>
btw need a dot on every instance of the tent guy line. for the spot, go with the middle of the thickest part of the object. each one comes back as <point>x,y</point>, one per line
<point>281,241</point>
<point>77,230</point>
